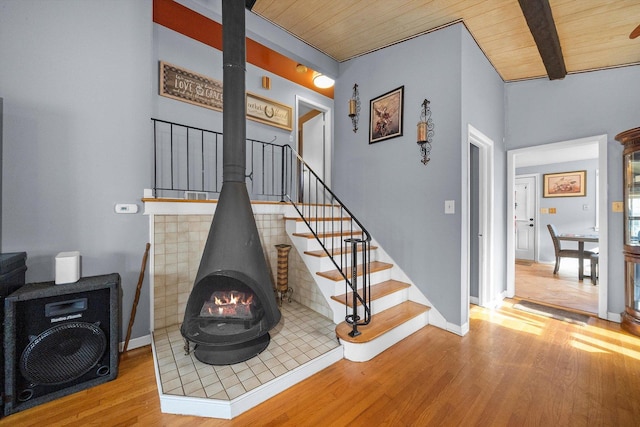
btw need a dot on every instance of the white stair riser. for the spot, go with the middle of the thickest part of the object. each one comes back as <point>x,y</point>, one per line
<point>325,264</point>
<point>386,302</point>
<point>366,351</point>
<point>313,244</point>
<point>339,286</point>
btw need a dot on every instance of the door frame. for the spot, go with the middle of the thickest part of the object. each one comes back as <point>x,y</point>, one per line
<point>487,295</point>
<point>328,142</point>
<point>603,244</point>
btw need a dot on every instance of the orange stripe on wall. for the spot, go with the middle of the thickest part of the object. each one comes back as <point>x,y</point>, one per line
<point>185,21</point>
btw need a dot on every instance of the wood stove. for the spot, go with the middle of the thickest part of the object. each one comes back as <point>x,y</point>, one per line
<point>232,305</point>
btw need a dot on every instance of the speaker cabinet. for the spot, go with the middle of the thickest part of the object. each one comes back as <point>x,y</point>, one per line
<point>60,339</point>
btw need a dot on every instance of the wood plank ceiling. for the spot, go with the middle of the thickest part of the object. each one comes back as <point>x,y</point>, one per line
<point>593,34</point>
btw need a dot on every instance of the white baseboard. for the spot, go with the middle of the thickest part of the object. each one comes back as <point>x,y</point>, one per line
<point>137,342</point>
<point>614,317</point>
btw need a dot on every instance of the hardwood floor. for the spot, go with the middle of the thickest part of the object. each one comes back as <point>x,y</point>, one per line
<point>511,369</point>
<point>536,282</point>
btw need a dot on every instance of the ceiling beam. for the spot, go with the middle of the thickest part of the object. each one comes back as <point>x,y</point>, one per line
<point>543,28</point>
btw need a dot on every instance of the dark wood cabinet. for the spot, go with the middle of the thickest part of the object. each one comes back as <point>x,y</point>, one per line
<point>631,169</point>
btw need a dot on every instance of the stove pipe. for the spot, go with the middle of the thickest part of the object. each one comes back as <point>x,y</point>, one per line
<point>233,248</point>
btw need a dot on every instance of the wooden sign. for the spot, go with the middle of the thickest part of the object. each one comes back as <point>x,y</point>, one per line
<point>269,112</point>
<point>187,86</point>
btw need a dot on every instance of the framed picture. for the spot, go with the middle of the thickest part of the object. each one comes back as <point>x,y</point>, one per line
<point>385,114</point>
<point>565,184</point>
<point>269,112</point>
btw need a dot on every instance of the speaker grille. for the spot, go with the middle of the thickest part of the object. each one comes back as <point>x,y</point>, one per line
<point>63,353</point>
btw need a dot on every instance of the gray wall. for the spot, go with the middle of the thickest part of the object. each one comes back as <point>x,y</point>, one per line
<point>79,92</point>
<point>400,200</point>
<point>75,80</point>
<point>570,216</point>
<point>184,52</point>
<point>581,105</point>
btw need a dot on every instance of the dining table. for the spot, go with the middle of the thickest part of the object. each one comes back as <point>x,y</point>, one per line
<point>581,239</point>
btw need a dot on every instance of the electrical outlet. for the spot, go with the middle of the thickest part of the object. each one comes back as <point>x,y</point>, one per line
<point>552,210</point>
<point>449,206</point>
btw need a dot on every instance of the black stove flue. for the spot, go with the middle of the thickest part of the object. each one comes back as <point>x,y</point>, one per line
<point>232,305</point>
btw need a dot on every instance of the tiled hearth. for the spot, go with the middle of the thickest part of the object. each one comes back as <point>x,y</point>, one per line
<point>302,344</point>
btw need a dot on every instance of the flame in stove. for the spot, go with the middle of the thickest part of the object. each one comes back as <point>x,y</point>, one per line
<point>231,303</point>
<point>232,299</point>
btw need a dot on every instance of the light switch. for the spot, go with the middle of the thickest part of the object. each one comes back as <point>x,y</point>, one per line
<point>449,206</point>
<point>552,210</point>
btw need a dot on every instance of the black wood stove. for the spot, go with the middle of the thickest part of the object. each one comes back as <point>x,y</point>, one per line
<point>232,305</point>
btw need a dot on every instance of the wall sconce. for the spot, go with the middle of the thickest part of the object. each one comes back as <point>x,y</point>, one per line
<point>354,108</point>
<point>425,132</point>
<point>321,81</point>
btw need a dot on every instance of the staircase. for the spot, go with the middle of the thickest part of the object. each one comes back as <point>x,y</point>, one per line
<point>387,308</point>
<point>394,315</point>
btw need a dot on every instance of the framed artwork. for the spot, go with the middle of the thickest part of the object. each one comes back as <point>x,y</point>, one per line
<point>385,114</point>
<point>187,86</point>
<point>269,112</point>
<point>565,184</point>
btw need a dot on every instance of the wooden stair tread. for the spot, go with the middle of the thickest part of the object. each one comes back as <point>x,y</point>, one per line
<point>382,322</point>
<point>334,252</point>
<point>336,276</point>
<point>318,219</point>
<point>323,235</point>
<point>377,291</point>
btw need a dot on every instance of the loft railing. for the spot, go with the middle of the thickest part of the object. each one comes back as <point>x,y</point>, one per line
<point>188,164</point>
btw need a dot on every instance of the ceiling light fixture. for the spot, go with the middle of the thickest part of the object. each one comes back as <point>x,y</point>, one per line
<point>321,81</point>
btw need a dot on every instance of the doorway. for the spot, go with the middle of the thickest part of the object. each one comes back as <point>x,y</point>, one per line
<point>313,132</point>
<point>574,148</point>
<point>525,207</point>
<point>477,221</point>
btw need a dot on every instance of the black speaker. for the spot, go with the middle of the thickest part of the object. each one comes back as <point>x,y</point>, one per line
<point>60,339</point>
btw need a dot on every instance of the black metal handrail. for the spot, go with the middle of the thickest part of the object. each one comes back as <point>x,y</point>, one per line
<point>189,159</point>
<point>329,219</point>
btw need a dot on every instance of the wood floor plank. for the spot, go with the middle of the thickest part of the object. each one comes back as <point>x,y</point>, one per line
<point>512,368</point>
<point>536,282</point>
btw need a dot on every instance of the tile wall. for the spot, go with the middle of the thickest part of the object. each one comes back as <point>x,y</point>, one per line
<point>178,244</point>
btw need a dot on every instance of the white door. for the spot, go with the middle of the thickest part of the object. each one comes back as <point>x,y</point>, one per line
<point>313,153</point>
<point>525,220</point>
<point>313,129</point>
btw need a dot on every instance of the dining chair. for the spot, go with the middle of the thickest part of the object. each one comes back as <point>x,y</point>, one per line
<point>565,253</point>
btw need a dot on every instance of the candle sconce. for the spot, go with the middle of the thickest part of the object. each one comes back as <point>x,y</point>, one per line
<point>425,132</point>
<point>354,108</point>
